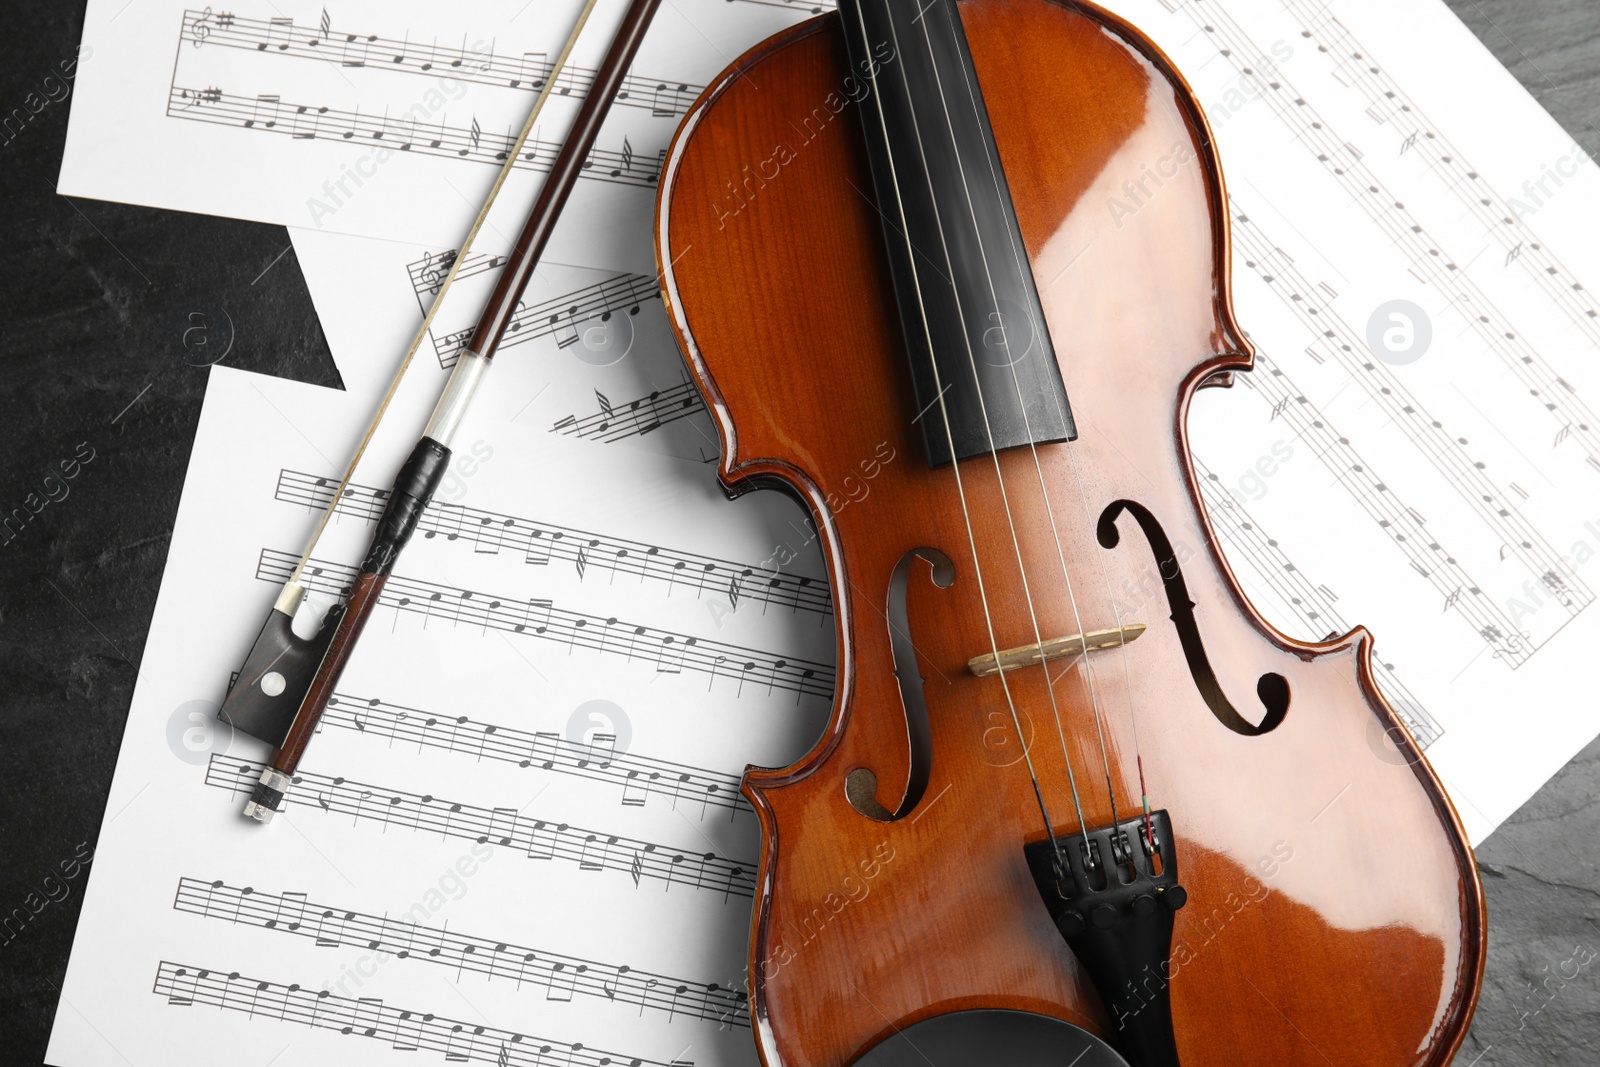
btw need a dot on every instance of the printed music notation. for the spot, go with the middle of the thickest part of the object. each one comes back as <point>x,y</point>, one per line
<point>538,543</point>
<point>662,97</point>
<point>589,850</point>
<point>1388,103</point>
<point>1250,545</point>
<point>666,651</point>
<point>270,113</point>
<point>1401,526</point>
<point>428,273</point>
<point>566,318</point>
<point>185,985</point>
<point>563,317</point>
<point>633,418</point>
<point>637,777</point>
<point>560,976</point>
<point>1430,262</point>
<point>1445,451</point>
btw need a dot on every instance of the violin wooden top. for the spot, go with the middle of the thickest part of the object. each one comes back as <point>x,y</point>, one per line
<point>1334,914</point>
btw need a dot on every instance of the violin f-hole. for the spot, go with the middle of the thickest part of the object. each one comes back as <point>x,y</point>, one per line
<point>861,784</point>
<point>1271,689</point>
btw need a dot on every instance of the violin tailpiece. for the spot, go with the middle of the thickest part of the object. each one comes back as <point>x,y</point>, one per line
<point>1112,897</point>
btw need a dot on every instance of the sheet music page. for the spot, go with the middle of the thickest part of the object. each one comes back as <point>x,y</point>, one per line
<point>517,838</point>
<point>1433,476</point>
<point>386,119</point>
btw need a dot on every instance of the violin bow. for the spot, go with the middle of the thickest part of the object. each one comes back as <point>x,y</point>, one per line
<point>286,681</point>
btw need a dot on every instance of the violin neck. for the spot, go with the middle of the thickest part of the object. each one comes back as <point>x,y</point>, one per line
<point>982,365</point>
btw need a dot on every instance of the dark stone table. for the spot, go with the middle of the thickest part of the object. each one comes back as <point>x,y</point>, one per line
<point>98,301</point>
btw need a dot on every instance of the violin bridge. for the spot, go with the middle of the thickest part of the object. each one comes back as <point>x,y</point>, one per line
<point>1055,648</point>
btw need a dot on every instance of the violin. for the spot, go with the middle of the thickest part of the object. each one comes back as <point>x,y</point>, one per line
<point>950,272</point>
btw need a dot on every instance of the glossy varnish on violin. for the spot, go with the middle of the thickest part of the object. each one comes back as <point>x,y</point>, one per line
<point>1334,911</point>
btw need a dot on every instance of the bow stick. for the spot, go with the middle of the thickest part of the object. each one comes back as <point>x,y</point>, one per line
<point>286,681</point>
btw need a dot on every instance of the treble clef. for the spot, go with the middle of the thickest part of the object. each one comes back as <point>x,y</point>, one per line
<point>200,30</point>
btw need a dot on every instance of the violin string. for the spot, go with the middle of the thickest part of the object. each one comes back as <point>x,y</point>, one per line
<point>1099,552</point>
<point>994,454</point>
<point>1033,448</point>
<point>444,287</point>
<point>955,467</point>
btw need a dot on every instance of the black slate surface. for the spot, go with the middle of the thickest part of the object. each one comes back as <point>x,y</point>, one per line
<point>100,352</point>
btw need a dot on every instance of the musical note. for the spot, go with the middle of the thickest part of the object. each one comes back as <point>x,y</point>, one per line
<point>290,912</point>
<point>540,542</point>
<point>369,1017</point>
<point>670,653</point>
<point>535,617</point>
<point>232,109</point>
<point>264,111</point>
<point>626,162</point>
<point>506,827</point>
<point>542,841</point>
<point>560,983</point>
<point>532,69</point>
<point>329,928</point>
<point>355,50</point>
<point>366,1018</point>
<point>408,1032</point>
<point>301,116</point>
<point>277,36</point>
<point>668,100</point>
<point>638,417</point>
<point>502,826</point>
<point>181,986</point>
<point>560,318</point>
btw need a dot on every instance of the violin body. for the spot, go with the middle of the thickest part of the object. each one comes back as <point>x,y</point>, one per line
<point>1334,913</point>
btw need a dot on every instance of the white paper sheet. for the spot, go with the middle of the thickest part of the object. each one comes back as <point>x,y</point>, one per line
<point>1333,472</point>
<point>384,119</point>
<point>518,830</point>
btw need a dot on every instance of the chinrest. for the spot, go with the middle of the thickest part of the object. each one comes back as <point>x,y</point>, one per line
<point>989,1036</point>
